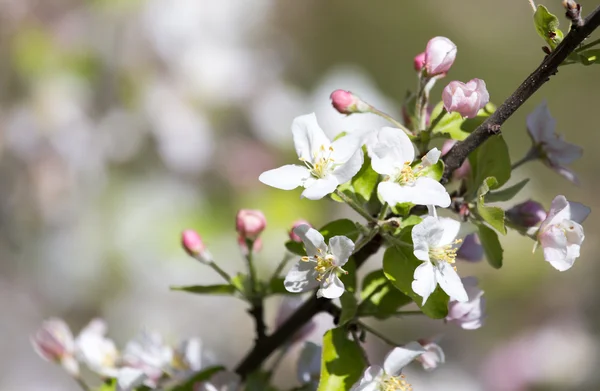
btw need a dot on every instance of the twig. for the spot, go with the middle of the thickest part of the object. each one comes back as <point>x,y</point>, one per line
<point>549,66</point>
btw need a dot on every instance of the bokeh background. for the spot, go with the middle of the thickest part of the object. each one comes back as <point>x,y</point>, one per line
<point>124,122</point>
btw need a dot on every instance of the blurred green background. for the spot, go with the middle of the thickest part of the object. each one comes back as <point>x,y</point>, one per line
<point>124,122</point>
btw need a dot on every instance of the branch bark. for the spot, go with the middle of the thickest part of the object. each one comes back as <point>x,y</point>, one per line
<point>549,66</point>
<point>267,345</point>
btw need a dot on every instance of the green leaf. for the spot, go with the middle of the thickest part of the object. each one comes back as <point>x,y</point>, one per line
<point>242,282</point>
<point>402,209</point>
<point>295,248</point>
<point>491,159</point>
<point>589,57</point>
<point>454,125</point>
<point>109,385</point>
<point>491,245</point>
<point>399,266</point>
<point>201,376</point>
<point>410,221</point>
<point>342,362</point>
<point>379,297</point>
<point>546,25</point>
<point>348,190</point>
<point>259,381</point>
<point>492,215</point>
<point>365,181</point>
<point>349,308</point>
<point>343,227</point>
<point>506,194</point>
<point>220,289</point>
<point>435,172</point>
<point>276,287</point>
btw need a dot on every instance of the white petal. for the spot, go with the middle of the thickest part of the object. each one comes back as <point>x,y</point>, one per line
<point>320,188</point>
<point>431,158</point>
<point>579,212</point>
<point>450,282</point>
<point>287,177</point>
<point>554,244</point>
<point>370,379</point>
<point>341,247</point>
<point>559,211</point>
<point>392,149</point>
<point>451,229</point>
<point>393,193</point>
<point>129,378</point>
<point>540,123</point>
<point>424,281</point>
<point>425,235</point>
<point>344,148</point>
<point>301,277</point>
<point>428,191</point>
<point>311,238</point>
<point>332,287</point>
<point>347,171</point>
<point>400,357</point>
<point>308,136</point>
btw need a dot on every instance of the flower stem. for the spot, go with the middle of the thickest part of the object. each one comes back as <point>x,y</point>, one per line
<point>532,4</point>
<point>588,45</point>
<point>251,267</point>
<point>377,333</point>
<point>284,261</point>
<point>357,208</point>
<point>392,120</point>
<point>396,241</point>
<point>421,103</point>
<point>225,276</point>
<point>365,239</point>
<point>531,155</point>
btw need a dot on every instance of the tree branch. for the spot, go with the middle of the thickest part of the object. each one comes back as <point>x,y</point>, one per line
<point>549,66</point>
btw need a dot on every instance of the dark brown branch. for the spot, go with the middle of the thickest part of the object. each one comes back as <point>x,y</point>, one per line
<point>263,349</point>
<point>541,75</point>
<point>257,312</point>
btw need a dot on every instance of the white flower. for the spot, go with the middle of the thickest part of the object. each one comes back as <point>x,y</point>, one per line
<point>309,365</point>
<point>392,154</point>
<point>433,356</point>
<point>148,353</point>
<point>434,240</point>
<point>389,378</point>
<point>54,342</point>
<point>468,315</point>
<point>550,146</point>
<point>98,352</point>
<point>326,164</point>
<point>561,234</point>
<point>321,265</point>
<point>187,358</point>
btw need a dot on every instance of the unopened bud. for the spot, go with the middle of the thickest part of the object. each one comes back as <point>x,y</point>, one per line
<point>468,315</point>
<point>347,103</point>
<point>465,98</point>
<point>293,236</point>
<point>471,249</point>
<point>54,342</point>
<point>192,243</point>
<point>439,56</point>
<point>419,61</point>
<point>527,214</point>
<point>573,12</point>
<point>250,223</point>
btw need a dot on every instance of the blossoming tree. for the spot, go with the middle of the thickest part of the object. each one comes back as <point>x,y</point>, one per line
<point>400,185</point>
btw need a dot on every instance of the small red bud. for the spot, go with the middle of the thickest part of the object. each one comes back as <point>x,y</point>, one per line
<point>293,235</point>
<point>347,103</point>
<point>192,243</point>
<point>419,62</point>
<point>250,223</point>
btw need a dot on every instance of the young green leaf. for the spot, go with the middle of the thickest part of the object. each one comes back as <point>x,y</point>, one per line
<point>491,159</point>
<point>349,308</point>
<point>379,297</point>
<point>546,25</point>
<point>491,245</point>
<point>492,215</point>
<point>365,181</point>
<point>220,289</point>
<point>342,363</point>
<point>454,125</point>
<point>506,194</point>
<point>342,227</point>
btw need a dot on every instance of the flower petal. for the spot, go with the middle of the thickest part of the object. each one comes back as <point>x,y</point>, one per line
<point>428,191</point>
<point>287,177</point>
<point>540,123</point>
<point>431,158</point>
<point>344,148</point>
<point>559,211</point>
<point>130,378</point>
<point>308,136</point>
<point>400,357</point>
<point>301,277</point>
<point>311,238</point>
<point>392,149</point>
<point>346,171</point>
<point>332,287</point>
<point>424,282</point>
<point>425,235</point>
<point>579,212</point>
<point>450,282</point>
<point>451,229</point>
<point>320,188</point>
<point>341,247</point>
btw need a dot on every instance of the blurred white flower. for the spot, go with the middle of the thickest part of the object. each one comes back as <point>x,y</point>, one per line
<point>148,353</point>
<point>308,368</point>
<point>54,342</point>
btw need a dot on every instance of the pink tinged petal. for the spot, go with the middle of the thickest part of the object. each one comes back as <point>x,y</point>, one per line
<point>450,282</point>
<point>579,212</point>
<point>400,357</point>
<point>312,239</point>
<point>53,340</point>
<point>301,277</point>
<point>559,211</point>
<point>433,356</point>
<point>308,136</point>
<point>344,148</point>
<point>341,247</point>
<point>320,188</point>
<point>560,152</point>
<point>440,54</point>
<point>554,243</point>
<point>424,282</point>
<point>349,169</point>
<point>287,177</point>
<point>373,373</point>
<point>332,287</point>
<point>451,228</point>
<point>566,173</point>
<point>428,191</point>
<point>540,124</point>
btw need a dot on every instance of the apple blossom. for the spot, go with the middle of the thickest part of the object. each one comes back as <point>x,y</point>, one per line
<point>293,236</point>
<point>526,214</point>
<point>326,164</point>
<point>192,243</point>
<point>250,223</point>
<point>470,249</point>
<point>347,103</point>
<point>440,54</point>
<point>392,154</point>
<point>549,146</point>
<point>434,240</point>
<point>561,233</point>
<point>433,356</point>
<point>468,315</point>
<point>321,265</point>
<point>98,352</point>
<point>187,358</point>
<point>309,365</point>
<point>389,377</point>
<point>465,99</point>
<point>54,341</point>
<point>148,353</point>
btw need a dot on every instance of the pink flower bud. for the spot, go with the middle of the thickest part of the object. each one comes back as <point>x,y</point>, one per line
<point>54,342</point>
<point>468,315</point>
<point>347,103</point>
<point>439,56</point>
<point>471,249</point>
<point>465,169</point>
<point>250,223</point>
<point>256,247</point>
<point>192,244</point>
<point>433,356</point>
<point>465,99</point>
<point>527,214</point>
<point>419,61</point>
<point>293,235</point>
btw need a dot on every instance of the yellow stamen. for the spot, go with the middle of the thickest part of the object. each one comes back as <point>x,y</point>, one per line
<point>395,383</point>
<point>445,253</point>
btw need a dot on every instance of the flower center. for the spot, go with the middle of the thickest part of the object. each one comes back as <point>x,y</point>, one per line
<point>322,163</point>
<point>395,383</point>
<point>445,253</point>
<point>325,264</point>
<point>407,175</point>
